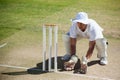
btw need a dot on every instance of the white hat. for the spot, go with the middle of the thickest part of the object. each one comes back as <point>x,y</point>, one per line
<point>81,17</point>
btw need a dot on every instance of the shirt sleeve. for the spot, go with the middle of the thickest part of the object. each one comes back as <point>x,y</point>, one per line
<point>95,32</point>
<point>73,33</point>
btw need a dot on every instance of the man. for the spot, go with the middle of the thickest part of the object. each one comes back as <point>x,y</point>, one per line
<point>83,27</point>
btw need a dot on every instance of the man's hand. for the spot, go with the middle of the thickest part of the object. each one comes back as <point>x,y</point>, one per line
<point>83,68</point>
<point>73,46</point>
<point>91,48</point>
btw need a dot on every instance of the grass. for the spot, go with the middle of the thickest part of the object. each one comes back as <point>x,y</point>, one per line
<point>17,15</point>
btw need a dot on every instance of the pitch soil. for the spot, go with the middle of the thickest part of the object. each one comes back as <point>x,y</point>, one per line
<point>30,55</point>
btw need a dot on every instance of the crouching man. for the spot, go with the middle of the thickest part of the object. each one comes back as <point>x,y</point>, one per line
<point>83,27</point>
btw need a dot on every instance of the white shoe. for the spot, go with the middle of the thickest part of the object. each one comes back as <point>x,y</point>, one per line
<point>103,61</point>
<point>66,57</point>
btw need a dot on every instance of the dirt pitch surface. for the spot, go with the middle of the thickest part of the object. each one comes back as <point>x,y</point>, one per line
<point>16,57</point>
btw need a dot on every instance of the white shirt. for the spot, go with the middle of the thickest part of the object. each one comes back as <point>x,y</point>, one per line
<point>92,32</point>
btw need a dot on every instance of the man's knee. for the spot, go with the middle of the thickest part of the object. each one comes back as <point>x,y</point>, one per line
<point>66,38</point>
<point>101,45</point>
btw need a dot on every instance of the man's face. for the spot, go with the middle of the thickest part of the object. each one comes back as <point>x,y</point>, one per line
<point>81,26</point>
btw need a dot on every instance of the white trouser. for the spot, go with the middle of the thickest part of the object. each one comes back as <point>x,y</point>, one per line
<point>101,46</point>
<point>66,40</point>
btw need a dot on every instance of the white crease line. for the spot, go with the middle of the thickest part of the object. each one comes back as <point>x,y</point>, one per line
<point>9,66</point>
<point>82,75</point>
<point>68,73</point>
<point>3,45</point>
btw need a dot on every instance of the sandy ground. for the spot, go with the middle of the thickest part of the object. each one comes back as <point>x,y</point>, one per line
<point>30,56</point>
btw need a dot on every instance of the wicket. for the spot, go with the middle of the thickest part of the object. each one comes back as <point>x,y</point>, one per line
<point>50,27</point>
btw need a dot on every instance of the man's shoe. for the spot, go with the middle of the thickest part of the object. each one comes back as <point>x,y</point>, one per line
<point>103,61</point>
<point>66,57</point>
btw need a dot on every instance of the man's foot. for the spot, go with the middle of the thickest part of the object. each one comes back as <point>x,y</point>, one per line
<point>66,57</point>
<point>103,61</point>
<point>83,69</point>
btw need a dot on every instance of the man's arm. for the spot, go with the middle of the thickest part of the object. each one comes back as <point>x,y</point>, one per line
<point>90,49</point>
<point>73,46</point>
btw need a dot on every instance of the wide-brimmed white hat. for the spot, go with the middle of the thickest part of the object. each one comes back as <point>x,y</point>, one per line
<point>81,17</point>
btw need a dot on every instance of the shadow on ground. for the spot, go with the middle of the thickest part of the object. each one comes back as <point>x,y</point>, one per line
<point>15,73</point>
<point>38,68</point>
<point>91,63</point>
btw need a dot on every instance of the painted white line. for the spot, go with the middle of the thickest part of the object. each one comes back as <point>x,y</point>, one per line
<point>9,66</point>
<point>3,45</point>
<point>82,75</point>
<point>68,73</point>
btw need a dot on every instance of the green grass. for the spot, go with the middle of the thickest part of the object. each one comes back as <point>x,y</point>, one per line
<point>16,15</point>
